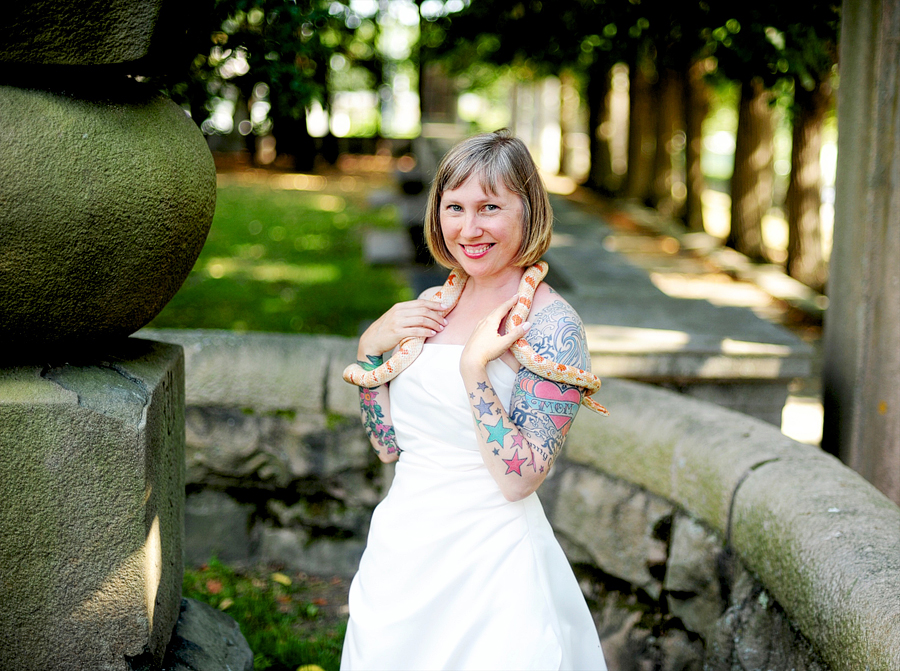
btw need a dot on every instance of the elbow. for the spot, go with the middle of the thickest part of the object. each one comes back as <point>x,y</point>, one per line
<point>388,457</point>
<point>516,491</point>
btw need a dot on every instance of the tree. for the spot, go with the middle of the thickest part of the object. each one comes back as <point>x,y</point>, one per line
<point>574,35</point>
<point>747,55</point>
<point>277,51</point>
<point>810,48</point>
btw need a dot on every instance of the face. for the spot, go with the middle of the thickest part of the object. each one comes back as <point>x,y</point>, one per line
<point>483,231</point>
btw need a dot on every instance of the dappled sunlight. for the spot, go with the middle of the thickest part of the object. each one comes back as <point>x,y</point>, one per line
<point>297,182</point>
<point>802,420</point>
<point>626,339</point>
<point>272,271</point>
<point>718,289</point>
<point>559,184</point>
<point>136,578</point>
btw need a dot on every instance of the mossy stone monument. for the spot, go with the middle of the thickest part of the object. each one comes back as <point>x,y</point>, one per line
<point>107,192</point>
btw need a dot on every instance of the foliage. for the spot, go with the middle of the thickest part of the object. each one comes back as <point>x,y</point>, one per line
<point>285,260</point>
<point>277,52</point>
<point>280,616</point>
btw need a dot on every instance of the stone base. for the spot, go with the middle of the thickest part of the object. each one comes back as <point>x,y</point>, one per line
<point>206,639</point>
<point>92,490</point>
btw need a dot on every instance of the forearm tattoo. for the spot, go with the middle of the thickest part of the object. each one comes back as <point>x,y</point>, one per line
<point>500,434</point>
<point>373,415</point>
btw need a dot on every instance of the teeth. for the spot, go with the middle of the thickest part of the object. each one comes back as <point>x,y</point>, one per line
<point>476,249</point>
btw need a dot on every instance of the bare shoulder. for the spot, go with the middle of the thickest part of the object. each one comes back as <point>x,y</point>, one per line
<point>429,293</point>
<point>557,332</point>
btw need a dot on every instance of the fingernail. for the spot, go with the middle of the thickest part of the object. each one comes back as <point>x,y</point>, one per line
<point>432,332</point>
<point>444,306</point>
<point>526,326</point>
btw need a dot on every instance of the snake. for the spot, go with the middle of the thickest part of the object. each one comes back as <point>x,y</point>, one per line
<point>410,348</point>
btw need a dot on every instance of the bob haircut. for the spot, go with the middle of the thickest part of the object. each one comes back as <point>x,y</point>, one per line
<point>496,158</point>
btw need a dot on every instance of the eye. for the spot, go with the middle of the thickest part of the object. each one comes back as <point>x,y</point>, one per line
<point>453,207</point>
<point>490,207</point>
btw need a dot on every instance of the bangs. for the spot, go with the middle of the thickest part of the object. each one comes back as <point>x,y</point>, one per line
<point>490,167</point>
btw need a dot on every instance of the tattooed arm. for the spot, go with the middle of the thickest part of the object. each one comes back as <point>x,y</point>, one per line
<point>375,412</point>
<point>420,317</point>
<point>520,447</point>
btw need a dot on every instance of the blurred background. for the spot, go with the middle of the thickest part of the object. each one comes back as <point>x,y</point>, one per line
<point>720,115</point>
<point>326,119</point>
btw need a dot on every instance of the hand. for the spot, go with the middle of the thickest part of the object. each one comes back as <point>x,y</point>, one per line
<point>486,344</point>
<point>418,318</point>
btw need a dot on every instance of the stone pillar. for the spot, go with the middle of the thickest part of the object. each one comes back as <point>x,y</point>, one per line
<point>107,191</point>
<point>862,326</point>
<point>92,484</point>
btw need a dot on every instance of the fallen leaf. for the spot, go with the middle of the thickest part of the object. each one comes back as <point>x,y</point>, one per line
<point>226,602</point>
<point>321,601</point>
<point>213,586</point>
<point>282,578</point>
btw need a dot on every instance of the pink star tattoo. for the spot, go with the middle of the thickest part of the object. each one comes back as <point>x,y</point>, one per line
<point>514,465</point>
<point>517,441</point>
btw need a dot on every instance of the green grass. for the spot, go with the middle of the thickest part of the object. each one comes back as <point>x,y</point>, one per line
<point>289,621</point>
<point>287,261</point>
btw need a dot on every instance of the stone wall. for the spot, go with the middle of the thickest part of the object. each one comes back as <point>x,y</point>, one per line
<point>703,539</point>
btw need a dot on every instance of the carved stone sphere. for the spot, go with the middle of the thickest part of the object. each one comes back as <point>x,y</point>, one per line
<point>105,203</point>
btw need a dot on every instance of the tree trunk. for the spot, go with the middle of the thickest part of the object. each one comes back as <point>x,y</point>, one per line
<point>752,180</point>
<point>601,175</point>
<point>696,107</point>
<point>861,375</point>
<point>669,92</point>
<point>805,261</point>
<point>641,127</point>
<point>567,115</point>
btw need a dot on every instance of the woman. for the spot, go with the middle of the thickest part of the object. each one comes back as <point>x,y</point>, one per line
<point>462,570</point>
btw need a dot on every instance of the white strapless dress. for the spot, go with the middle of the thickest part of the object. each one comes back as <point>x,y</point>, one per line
<point>454,576</point>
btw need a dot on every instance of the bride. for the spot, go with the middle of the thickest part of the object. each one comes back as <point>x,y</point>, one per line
<point>461,569</point>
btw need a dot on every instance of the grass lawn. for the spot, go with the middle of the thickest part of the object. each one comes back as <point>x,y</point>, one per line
<point>286,259</point>
<point>290,620</point>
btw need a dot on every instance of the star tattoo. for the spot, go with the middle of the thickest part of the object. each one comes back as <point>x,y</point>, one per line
<point>483,408</point>
<point>496,451</point>
<point>471,395</point>
<point>514,465</point>
<point>482,386</point>
<point>518,441</point>
<point>497,432</point>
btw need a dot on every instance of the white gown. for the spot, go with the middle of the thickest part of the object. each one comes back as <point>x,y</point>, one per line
<point>454,576</point>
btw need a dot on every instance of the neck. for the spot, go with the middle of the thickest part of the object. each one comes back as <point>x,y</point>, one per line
<point>502,284</point>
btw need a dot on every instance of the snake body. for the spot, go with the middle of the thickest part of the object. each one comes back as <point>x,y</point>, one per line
<point>409,348</point>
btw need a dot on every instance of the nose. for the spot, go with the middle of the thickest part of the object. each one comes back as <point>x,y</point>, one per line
<point>471,227</point>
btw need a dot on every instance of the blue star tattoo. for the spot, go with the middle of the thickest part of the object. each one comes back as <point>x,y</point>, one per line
<point>496,451</point>
<point>497,432</point>
<point>483,408</point>
<point>471,395</point>
<point>482,386</point>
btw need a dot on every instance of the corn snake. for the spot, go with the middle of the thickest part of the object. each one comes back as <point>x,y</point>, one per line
<point>449,294</point>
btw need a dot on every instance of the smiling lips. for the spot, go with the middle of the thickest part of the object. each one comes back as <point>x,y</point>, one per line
<point>476,251</point>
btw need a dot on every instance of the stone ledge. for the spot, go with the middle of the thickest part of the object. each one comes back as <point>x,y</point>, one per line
<point>768,496</point>
<point>822,539</point>
<point>266,371</point>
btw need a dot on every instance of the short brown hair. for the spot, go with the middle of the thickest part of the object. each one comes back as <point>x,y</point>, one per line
<point>497,158</point>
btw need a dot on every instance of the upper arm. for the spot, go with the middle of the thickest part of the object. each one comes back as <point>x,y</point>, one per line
<point>542,409</point>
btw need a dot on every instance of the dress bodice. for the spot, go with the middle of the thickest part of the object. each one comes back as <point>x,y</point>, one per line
<point>429,400</point>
